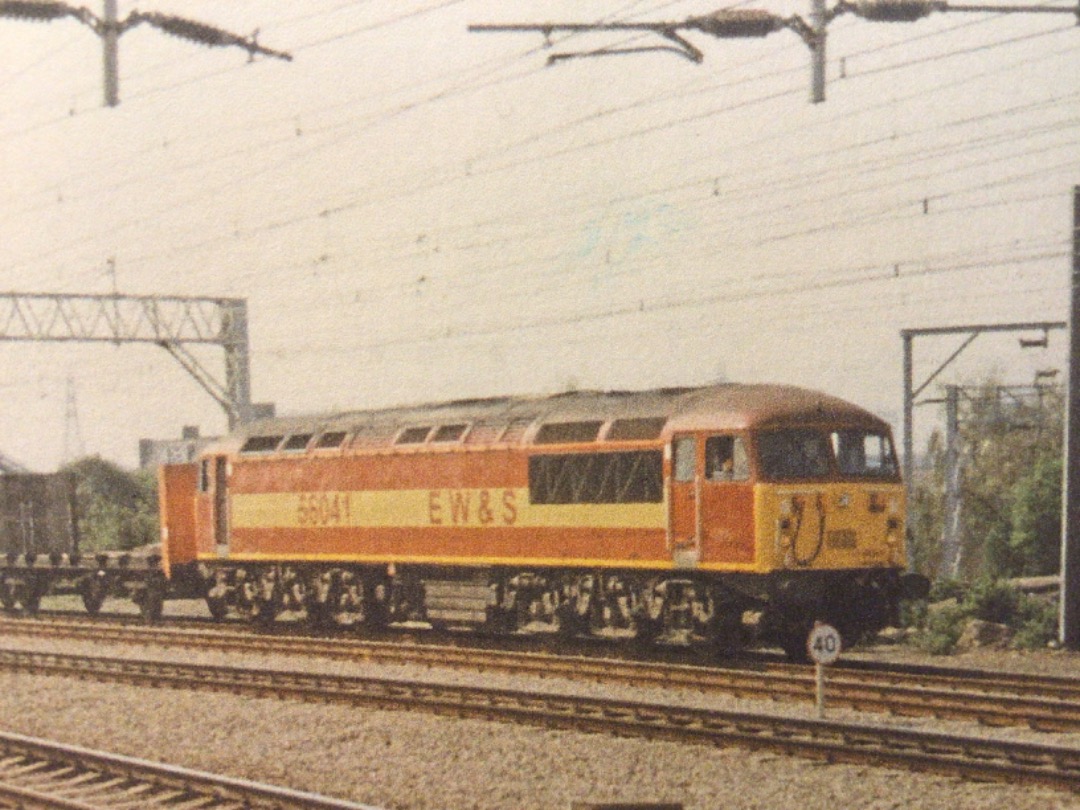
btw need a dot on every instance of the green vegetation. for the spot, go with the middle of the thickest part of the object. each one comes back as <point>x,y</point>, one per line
<point>1009,520</point>
<point>1031,621</point>
<point>118,507</point>
<point>1010,487</point>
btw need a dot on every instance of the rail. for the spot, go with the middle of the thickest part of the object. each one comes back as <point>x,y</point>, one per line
<point>970,757</point>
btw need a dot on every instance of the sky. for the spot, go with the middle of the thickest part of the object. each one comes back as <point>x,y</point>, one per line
<point>414,212</point>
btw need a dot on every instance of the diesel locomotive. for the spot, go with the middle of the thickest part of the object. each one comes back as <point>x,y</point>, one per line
<point>726,514</point>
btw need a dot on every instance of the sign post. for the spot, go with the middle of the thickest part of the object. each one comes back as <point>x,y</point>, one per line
<point>823,644</point>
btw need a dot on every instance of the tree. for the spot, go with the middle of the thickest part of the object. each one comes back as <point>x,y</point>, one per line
<point>118,508</point>
<point>1010,487</point>
<point>1035,541</point>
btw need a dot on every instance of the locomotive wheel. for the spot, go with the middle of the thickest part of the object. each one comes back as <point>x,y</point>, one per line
<point>730,636</point>
<point>217,607</point>
<point>794,646</point>
<point>793,642</point>
<point>343,606</point>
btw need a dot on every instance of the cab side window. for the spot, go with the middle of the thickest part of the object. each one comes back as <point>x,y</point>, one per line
<point>685,459</point>
<point>726,459</point>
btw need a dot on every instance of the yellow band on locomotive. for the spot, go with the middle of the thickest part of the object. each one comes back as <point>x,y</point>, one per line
<point>424,508</point>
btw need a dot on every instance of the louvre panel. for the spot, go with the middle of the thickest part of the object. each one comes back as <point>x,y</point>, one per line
<point>485,432</point>
<point>515,431</point>
<point>634,477</point>
<point>374,436</point>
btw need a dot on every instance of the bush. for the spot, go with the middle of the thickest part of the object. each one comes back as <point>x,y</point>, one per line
<point>993,601</point>
<point>1036,624</point>
<point>1033,621</point>
<point>944,624</point>
<point>913,613</point>
<point>942,589</point>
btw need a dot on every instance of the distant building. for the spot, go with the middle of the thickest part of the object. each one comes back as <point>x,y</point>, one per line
<point>155,452</point>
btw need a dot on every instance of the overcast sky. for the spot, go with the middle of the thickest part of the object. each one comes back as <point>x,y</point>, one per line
<point>414,212</point>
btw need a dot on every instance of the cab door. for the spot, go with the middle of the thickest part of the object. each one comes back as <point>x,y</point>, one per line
<point>684,501</point>
<point>726,501</point>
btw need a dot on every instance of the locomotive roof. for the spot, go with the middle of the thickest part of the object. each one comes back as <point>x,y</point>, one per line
<point>522,419</point>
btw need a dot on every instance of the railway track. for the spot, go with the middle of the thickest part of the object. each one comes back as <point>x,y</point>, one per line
<point>1041,703</point>
<point>41,774</point>
<point>954,755</point>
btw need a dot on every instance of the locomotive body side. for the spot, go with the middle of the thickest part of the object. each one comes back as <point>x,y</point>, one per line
<point>649,512</point>
<point>465,508</point>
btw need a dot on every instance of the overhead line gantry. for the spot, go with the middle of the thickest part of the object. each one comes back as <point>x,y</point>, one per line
<point>172,322</point>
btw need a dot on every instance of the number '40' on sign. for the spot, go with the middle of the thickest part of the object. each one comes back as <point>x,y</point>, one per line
<point>823,644</point>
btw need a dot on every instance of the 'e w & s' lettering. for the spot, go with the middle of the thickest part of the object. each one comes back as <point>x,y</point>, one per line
<point>472,507</point>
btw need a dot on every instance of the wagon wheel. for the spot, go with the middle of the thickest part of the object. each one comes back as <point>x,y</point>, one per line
<point>8,595</point>
<point>30,597</point>
<point>151,600</point>
<point>93,590</point>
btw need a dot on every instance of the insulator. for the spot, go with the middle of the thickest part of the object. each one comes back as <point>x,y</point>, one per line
<point>737,23</point>
<point>896,10</point>
<point>36,11</point>
<point>190,29</point>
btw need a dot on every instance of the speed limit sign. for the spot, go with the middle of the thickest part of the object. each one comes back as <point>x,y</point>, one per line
<point>823,644</point>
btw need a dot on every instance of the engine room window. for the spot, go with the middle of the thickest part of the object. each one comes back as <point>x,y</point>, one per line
<point>449,433</point>
<point>685,459</point>
<point>628,430</point>
<point>330,439</point>
<point>413,435</point>
<point>635,477</point>
<point>863,454</point>
<point>792,454</point>
<point>726,459</point>
<point>297,442</point>
<point>261,444</point>
<point>567,432</point>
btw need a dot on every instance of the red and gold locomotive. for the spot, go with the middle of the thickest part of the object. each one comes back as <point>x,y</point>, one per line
<point>722,512</point>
